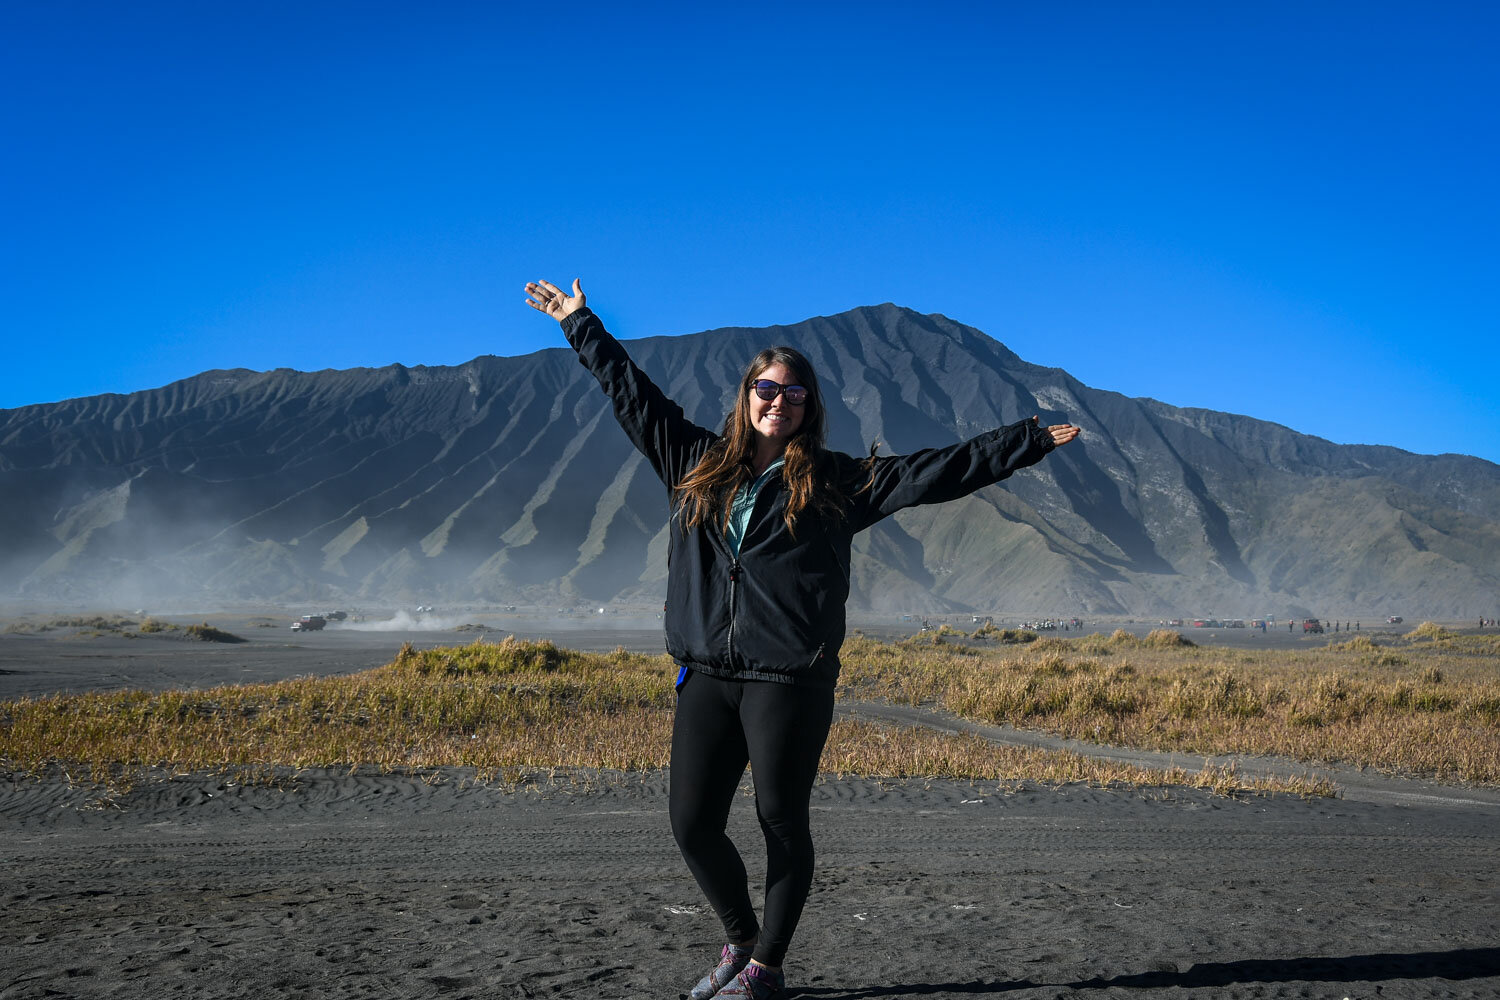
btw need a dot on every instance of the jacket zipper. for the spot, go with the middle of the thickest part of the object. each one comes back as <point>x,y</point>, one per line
<point>734,576</point>
<point>734,579</point>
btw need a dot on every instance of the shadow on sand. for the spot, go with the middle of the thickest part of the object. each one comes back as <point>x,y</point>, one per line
<point>1464,963</point>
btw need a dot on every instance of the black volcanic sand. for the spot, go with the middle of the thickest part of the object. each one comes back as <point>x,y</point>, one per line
<point>355,885</point>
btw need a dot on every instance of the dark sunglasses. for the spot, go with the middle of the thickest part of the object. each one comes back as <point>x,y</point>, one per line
<point>796,395</point>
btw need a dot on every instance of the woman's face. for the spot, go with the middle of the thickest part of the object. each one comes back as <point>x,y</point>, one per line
<point>775,419</point>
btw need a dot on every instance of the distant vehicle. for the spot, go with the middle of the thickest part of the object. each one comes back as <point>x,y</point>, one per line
<point>1258,623</point>
<point>335,616</point>
<point>1175,622</point>
<point>1312,625</point>
<point>309,623</point>
<point>1393,620</point>
<point>1236,623</point>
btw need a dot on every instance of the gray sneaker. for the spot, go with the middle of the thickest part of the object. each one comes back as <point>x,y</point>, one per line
<point>731,962</point>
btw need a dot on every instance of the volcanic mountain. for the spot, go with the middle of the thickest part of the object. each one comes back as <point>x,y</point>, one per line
<point>507,481</point>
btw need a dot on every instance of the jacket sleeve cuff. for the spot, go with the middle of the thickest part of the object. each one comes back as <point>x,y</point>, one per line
<point>1037,435</point>
<point>574,320</point>
<point>1040,435</point>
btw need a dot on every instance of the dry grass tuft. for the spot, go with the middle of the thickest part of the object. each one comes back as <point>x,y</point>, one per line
<point>208,633</point>
<point>93,621</point>
<point>1004,636</point>
<point>1165,638</point>
<point>1358,644</point>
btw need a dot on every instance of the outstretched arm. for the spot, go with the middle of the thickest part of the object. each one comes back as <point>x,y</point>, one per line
<point>548,298</point>
<point>655,424</point>
<point>936,475</point>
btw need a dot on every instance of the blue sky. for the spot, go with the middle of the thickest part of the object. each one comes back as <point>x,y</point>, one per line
<point>1282,210</point>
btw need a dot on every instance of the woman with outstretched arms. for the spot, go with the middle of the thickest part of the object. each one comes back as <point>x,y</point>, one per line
<point>763,518</point>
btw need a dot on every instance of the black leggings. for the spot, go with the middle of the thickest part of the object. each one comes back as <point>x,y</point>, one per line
<point>779,729</point>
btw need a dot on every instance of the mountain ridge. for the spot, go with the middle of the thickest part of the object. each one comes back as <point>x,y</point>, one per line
<point>505,479</point>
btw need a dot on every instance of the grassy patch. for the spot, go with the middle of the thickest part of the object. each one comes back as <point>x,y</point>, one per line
<point>95,624</point>
<point>1421,706</point>
<point>858,747</point>
<point>499,709</point>
<point>485,706</point>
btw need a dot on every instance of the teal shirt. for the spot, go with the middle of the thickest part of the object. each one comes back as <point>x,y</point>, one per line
<point>742,504</point>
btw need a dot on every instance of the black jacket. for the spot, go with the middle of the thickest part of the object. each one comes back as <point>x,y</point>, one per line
<point>777,612</point>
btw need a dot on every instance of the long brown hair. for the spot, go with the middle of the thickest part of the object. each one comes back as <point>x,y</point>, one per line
<point>707,491</point>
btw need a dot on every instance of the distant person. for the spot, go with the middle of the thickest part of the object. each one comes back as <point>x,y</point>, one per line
<point>762,521</point>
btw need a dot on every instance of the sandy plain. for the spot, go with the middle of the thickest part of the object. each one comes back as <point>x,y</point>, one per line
<point>433,885</point>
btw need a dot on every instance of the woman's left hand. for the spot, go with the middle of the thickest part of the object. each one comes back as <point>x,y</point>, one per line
<point>1061,433</point>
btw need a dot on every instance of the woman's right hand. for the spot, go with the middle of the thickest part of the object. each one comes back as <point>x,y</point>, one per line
<point>548,298</point>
